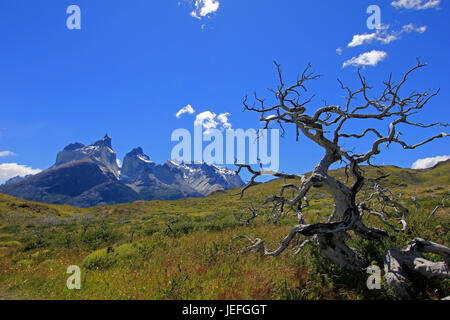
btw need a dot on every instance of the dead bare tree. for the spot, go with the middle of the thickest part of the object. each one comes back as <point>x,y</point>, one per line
<point>325,127</point>
<point>396,262</point>
<point>246,220</point>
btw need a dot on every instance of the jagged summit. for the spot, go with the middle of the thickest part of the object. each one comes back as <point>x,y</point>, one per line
<point>138,153</point>
<point>100,152</point>
<point>135,164</point>
<point>135,152</point>
<point>105,142</point>
<point>74,146</point>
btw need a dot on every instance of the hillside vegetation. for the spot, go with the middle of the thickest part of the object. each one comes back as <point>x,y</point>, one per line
<point>183,250</point>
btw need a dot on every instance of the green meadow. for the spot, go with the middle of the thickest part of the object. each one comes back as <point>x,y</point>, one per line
<point>183,249</point>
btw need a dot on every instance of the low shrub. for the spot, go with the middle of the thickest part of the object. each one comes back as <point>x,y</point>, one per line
<point>105,258</point>
<point>8,244</point>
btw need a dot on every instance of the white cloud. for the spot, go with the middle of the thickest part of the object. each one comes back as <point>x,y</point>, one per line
<point>186,109</point>
<point>416,4</point>
<point>359,39</point>
<point>383,35</point>
<point>339,51</point>
<point>7,154</point>
<point>411,27</point>
<point>11,170</point>
<point>223,118</point>
<point>204,8</point>
<point>371,58</point>
<point>209,120</point>
<point>388,38</point>
<point>429,162</point>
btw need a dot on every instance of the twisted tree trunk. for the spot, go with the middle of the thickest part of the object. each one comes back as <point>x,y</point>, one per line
<point>399,265</point>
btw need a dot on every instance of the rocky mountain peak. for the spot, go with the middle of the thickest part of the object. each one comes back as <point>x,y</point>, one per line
<point>137,152</point>
<point>135,164</point>
<point>74,146</point>
<point>100,152</point>
<point>105,142</point>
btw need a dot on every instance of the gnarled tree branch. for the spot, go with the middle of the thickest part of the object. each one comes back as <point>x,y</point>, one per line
<point>324,126</point>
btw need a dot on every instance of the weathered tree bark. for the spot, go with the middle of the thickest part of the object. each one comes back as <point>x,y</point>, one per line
<point>437,208</point>
<point>398,264</point>
<point>324,127</point>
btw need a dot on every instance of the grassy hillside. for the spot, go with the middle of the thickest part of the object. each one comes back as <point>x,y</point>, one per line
<point>182,250</point>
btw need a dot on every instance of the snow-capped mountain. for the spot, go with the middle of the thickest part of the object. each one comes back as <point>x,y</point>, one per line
<point>144,176</point>
<point>86,176</point>
<point>135,164</point>
<point>205,178</point>
<point>100,151</point>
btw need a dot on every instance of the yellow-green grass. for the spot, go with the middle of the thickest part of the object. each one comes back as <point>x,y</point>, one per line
<point>183,250</point>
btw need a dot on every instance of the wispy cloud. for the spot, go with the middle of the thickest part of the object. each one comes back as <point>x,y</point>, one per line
<point>204,8</point>
<point>186,109</point>
<point>223,118</point>
<point>371,58</point>
<point>210,120</point>
<point>11,170</point>
<point>359,39</point>
<point>383,35</point>
<point>7,154</point>
<point>411,27</point>
<point>416,4</point>
<point>429,162</point>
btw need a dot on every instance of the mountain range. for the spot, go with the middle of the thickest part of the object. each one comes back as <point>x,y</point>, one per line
<point>86,176</point>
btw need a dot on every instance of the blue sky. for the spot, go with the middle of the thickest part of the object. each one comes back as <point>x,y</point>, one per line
<point>135,64</point>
